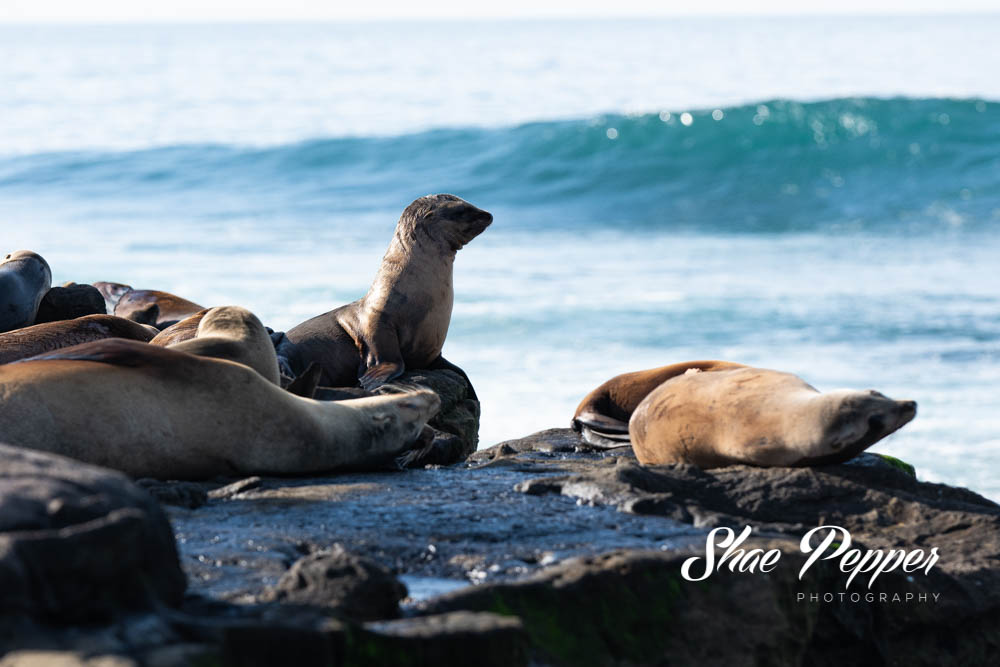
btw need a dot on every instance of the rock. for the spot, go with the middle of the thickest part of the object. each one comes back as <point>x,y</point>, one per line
<point>353,587</point>
<point>70,302</point>
<point>176,492</point>
<point>454,638</point>
<point>79,543</point>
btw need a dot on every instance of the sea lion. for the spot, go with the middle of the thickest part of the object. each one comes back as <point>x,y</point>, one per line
<point>49,336</point>
<point>759,417</point>
<point>69,302</point>
<point>403,320</point>
<point>181,331</point>
<point>602,416</point>
<point>25,277</point>
<point>160,309</point>
<point>233,333</point>
<point>157,412</point>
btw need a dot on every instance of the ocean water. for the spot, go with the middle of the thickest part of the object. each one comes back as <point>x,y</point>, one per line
<point>816,195</point>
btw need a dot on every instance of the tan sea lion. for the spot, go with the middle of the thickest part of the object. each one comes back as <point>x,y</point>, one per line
<point>602,416</point>
<point>156,412</point>
<point>403,320</point>
<point>233,333</point>
<point>49,336</point>
<point>160,309</point>
<point>184,330</point>
<point>759,417</point>
<point>25,277</point>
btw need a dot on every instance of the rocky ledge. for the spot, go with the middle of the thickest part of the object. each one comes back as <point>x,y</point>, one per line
<point>535,551</point>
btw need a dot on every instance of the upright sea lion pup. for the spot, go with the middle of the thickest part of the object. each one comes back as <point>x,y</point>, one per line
<point>403,320</point>
<point>157,412</point>
<point>25,277</point>
<point>758,417</point>
<point>49,336</point>
<point>603,414</point>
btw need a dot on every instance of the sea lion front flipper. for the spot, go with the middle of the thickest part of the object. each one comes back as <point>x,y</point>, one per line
<point>305,384</point>
<point>381,358</point>
<point>379,374</point>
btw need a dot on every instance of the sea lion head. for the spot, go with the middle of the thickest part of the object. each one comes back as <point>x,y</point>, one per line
<point>26,279</point>
<point>112,293</point>
<point>234,321</point>
<point>444,218</point>
<point>404,414</point>
<point>852,421</point>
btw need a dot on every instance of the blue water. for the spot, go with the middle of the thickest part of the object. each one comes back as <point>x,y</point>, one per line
<point>819,196</point>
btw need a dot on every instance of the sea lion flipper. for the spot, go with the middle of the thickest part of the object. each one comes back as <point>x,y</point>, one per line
<point>601,430</point>
<point>380,373</point>
<point>114,351</point>
<point>305,384</point>
<point>148,315</point>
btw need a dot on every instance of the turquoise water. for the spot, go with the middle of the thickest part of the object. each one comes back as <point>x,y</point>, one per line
<point>819,196</point>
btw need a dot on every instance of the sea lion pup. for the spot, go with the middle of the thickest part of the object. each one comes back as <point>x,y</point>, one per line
<point>49,336</point>
<point>403,320</point>
<point>156,412</point>
<point>759,417</point>
<point>233,333</point>
<point>160,309</point>
<point>603,414</point>
<point>25,277</point>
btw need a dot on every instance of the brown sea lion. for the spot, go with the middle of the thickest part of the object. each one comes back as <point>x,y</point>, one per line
<point>233,333</point>
<point>759,417</point>
<point>403,320</point>
<point>160,309</point>
<point>156,412</point>
<point>25,277</point>
<point>42,338</point>
<point>602,416</point>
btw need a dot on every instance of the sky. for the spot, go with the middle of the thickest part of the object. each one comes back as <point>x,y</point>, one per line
<point>100,11</point>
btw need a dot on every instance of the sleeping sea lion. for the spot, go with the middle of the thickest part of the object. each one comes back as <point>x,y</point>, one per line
<point>160,309</point>
<point>233,333</point>
<point>184,330</point>
<point>402,322</point>
<point>41,338</point>
<point>25,277</point>
<point>156,412</point>
<point>602,416</point>
<point>759,417</point>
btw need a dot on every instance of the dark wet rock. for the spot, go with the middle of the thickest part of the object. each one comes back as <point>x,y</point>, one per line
<point>348,585</point>
<point>235,488</point>
<point>70,302</point>
<point>180,493</point>
<point>80,543</point>
<point>454,638</point>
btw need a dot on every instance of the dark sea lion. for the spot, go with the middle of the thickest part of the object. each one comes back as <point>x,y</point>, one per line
<point>42,338</point>
<point>69,302</point>
<point>403,320</point>
<point>759,417</point>
<point>154,307</point>
<point>233,333</point>
<point>25,277</point>
<point>602,416</point>
<point>157,412</point>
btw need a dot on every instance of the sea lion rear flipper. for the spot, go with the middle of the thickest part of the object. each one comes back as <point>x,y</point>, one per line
<point>114,351</point>
<point>147,315</point>
<point>305,384</point>
<point>601,430</point>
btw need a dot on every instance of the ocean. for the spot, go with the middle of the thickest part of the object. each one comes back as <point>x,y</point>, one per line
<point>817,195</point>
